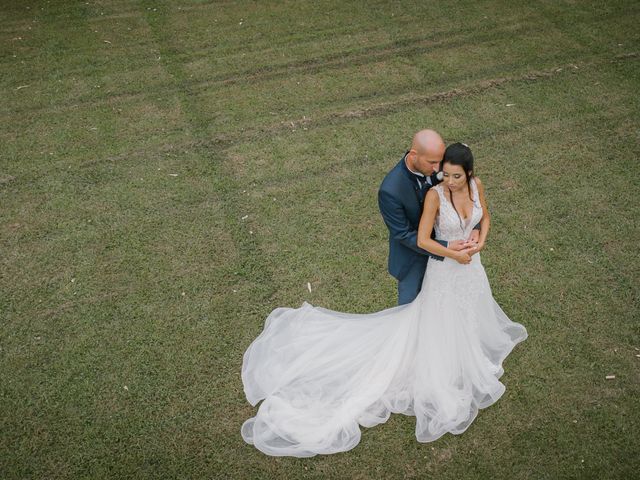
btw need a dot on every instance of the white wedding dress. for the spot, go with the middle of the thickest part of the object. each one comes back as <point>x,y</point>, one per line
<point>321,374</point>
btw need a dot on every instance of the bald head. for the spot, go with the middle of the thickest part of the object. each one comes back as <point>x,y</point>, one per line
<point>427,150</point>
<point>428,141</point>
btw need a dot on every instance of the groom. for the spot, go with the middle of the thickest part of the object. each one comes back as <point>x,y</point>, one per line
<point>400,199</point>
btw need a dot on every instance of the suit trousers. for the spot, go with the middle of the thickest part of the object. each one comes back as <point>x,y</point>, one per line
<point>411,283</point>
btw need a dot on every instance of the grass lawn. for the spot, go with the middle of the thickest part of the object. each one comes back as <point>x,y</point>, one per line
<point>171,171</point>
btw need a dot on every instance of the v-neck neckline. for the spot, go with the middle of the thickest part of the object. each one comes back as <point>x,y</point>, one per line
<point>464,219</point>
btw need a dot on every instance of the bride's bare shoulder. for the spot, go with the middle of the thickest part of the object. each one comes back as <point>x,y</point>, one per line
<point>432,196</point>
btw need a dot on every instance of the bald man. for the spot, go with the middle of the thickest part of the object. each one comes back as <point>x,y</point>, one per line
<point>400,198</point>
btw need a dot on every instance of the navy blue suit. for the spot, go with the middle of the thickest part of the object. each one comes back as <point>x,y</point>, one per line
<point>400,200</point>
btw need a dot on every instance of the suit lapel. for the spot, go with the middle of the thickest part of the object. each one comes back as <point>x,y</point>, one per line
<point>419,193</point>
<point>411,179</point>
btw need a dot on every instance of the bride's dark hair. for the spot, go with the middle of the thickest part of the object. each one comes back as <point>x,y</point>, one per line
<point>459,154</point>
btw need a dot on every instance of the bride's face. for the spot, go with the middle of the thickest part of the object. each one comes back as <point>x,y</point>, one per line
<point>454,177</point>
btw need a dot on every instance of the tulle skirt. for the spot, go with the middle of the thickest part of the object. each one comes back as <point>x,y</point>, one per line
<point>322,374</point>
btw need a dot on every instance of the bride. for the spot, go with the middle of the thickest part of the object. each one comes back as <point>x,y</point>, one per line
<point>322,374</point>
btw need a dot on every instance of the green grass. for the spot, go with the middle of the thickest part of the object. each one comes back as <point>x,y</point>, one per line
<point>136,136</point>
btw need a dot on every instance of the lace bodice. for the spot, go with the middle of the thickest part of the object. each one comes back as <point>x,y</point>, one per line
<point>448,225</point>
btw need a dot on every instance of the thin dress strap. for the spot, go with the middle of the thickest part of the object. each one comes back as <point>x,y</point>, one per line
<point>474,192</point>
<point>438,188</point>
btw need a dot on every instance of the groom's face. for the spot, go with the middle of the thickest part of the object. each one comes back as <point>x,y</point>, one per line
<point>428,162</point>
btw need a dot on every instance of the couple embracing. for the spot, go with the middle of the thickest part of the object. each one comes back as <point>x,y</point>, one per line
<point>437,355</point>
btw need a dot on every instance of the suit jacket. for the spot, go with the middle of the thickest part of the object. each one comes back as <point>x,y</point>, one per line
<point>400,201</point>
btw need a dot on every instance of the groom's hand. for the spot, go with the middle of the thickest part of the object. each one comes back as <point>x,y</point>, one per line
<point>474,237</point>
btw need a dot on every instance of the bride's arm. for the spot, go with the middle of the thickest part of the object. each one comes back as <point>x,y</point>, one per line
<point>395,217</point>
<point>486,218</point>
<point>431,205</point>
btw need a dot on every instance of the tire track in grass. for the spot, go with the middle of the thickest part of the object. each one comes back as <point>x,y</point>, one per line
<point>405,46</point>
<point>394,105</point>
<point>221,142</point>
<point>328,62</point>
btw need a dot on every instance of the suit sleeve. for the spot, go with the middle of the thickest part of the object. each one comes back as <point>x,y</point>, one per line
<point>398,225</point>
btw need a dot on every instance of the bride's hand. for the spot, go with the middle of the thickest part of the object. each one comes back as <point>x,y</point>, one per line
<point>459,245</point>
<point>477,247</point>
<point>462,257</point>
<point>473,249</point>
